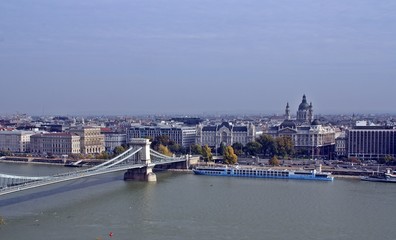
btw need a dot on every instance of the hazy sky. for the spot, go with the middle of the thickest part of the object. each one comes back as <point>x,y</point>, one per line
<point>196,56</point>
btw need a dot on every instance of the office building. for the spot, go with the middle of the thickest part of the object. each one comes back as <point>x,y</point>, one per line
<point>181,135</point>
<point>55,144</point>
<point>371,142</point>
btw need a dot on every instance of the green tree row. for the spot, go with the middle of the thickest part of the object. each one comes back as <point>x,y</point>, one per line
<point>269,146</point>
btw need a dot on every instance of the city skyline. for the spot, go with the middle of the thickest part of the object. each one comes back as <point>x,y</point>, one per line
<point>196,57</point>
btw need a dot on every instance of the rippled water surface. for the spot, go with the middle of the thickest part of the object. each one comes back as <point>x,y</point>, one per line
<point>186,206</point>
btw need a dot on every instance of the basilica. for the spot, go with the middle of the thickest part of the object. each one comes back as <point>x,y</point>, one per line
<point>310,137</point>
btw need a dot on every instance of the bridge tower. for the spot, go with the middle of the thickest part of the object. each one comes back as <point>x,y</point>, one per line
<point>145,173</point>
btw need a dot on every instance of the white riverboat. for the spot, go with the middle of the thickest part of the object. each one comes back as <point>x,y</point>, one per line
<point>262,173</point>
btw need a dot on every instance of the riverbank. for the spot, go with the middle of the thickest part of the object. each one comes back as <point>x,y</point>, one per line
<point>52,162</point>
<point>24,162</point>
<point>347,177</point>
<point>87,163</point>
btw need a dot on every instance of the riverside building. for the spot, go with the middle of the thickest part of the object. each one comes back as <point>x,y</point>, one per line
<point>55,143</point>
<point>182,135</point>
<point>225,134</point>
<point>113,140</point>
<point>371,142</point>
<point>15,141</point>
<point>91,139</point>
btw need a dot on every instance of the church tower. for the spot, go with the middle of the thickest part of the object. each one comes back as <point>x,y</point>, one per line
<point>310,113</point>
<point>287,112</point>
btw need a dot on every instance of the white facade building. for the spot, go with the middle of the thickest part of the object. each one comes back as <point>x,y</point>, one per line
<point>15,141</point>
<point>225,133</point>
<point>91,139</point>
<point>113,140</point>
<point>340,145</point>
<point>55,143</point>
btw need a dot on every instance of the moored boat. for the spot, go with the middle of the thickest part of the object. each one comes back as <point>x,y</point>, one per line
<point>262,173</point>
<point>388,176</point>
<point>74,164</point>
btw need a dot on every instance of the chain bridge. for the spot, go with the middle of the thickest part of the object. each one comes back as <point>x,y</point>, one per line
<point>138,162</point>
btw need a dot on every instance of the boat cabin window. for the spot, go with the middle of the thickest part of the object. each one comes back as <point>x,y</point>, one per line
<point>303,173</point>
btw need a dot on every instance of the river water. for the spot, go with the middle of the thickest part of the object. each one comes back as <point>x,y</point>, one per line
<point>186,206</point>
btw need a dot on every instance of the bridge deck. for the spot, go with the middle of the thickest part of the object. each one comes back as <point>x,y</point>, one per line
<point>119,163</point>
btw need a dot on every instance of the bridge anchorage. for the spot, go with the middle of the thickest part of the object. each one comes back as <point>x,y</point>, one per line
<point>138,162</point>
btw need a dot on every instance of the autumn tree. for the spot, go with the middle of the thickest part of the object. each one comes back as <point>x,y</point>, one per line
<point>164,150</point>
<point>354,160</point>
<point>207,153</point>
<point>103,155</point>
<point>161,140</point>
<point>229,156</point>
<point>274,161</point>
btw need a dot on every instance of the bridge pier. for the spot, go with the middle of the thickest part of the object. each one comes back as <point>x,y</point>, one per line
<point>141,174</point>
<point>145,173</point>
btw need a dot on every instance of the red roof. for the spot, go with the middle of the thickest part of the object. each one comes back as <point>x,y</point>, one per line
<point>105,129</point>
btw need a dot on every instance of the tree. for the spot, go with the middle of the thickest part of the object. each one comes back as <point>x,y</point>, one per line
<point>221,149</point>
<point>354,160</point>
<point>103,155</point>
<point>274,161</point>
<point>164,150</point>
<point>387,159</point>
<point>76,156</point>
<point>253,148</point>
<point>268,144</point>
<point>238,148</point>
<point>196,149</point>
<point>162,139</point>
<point>176,148</point>
<point>284,145</point>
<point>118,150</point>
<point>125,145</point>
<point>229,156</point>
<point>207,153</point>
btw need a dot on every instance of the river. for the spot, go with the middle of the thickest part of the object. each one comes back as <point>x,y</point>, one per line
<point>186,206</point>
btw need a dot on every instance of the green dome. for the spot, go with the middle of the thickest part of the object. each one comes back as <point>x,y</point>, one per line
<point>304,104</point>
<point>316,122</point>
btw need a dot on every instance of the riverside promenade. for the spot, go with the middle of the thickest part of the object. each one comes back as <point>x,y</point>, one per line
<point>338,171</point>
